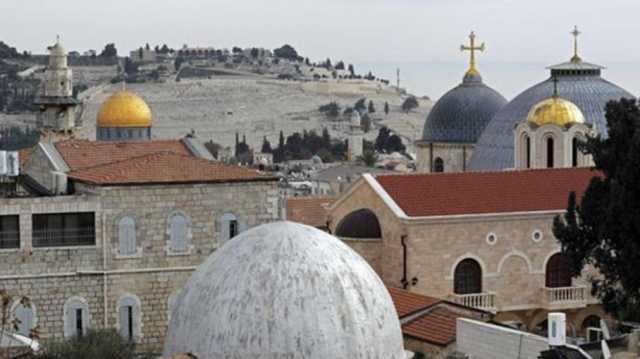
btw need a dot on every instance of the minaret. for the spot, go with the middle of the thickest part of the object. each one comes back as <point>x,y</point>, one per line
<point>57,105</point>
<point>355,136</point>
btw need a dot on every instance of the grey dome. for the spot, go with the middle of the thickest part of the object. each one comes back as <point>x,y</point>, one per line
<point>461,114</point>
<point>580,84</point>
<point>285,290</point>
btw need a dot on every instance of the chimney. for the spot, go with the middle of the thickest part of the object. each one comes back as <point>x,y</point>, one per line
<point>557,329</point>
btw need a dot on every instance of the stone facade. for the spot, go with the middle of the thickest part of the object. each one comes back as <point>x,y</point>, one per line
<point>512,249</point>
<point>100,276</point>
<point>454,156</point>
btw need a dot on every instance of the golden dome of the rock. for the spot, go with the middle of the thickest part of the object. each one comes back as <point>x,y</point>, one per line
<point>124,109</point>
<point>555,110</point>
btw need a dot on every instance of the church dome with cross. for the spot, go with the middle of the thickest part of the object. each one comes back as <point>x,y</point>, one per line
<point>579,82</point>
<point>461,114</point>
<point>285,290</point>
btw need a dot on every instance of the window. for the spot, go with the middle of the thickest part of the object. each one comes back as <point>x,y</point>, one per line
<point>127,236</point>
<point>550,148</point>
<point>9,232</point>
<point>528,151</point>
<point>178,233</point>
<point>467,277</point>
<point>76,317</point>
<point>574,152</point>
<point>129,318</point>
<point>64,229</point>
<point>558,274</point>
<point>229,227</point>
<point>23,314</point>
<point>592,321</point>
<point>438,165</point>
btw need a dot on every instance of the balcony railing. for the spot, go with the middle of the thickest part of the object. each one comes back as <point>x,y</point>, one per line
<point>67,237</point>
<point>9,239</point>
<point>484,301</point>
<point>565,297</point>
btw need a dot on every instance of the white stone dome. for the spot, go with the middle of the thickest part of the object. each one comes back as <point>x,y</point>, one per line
<point>285,290</point>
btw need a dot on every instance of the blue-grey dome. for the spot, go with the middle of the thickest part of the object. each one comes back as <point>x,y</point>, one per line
<point>462,113</point>
<point>581,85</point>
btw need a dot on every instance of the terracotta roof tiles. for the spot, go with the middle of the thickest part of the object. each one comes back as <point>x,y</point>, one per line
<point>165,167</point>
<point>308,210</point>
<point>407,303</point>
<point>485,192</point>
<point>437,326</point>
<point>79,154</point>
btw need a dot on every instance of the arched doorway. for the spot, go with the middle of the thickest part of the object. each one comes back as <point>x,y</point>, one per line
<point>467,278</point>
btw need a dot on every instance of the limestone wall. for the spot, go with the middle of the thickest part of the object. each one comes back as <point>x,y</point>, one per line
<point>454,156</point>
<point>50,276</point>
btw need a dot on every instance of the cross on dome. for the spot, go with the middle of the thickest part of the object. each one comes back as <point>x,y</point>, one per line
<point>575,34</point>
<point>472,52</point>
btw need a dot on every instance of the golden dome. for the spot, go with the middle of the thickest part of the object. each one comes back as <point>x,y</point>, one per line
<point>555,110</point>
<point>124,109</point>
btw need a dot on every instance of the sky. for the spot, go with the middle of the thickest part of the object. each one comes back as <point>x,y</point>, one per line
<point>357,31</point>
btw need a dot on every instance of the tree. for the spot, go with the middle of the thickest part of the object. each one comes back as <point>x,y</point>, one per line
<point>394,144</point>
<point>369,158</point>
<point>360,105</point>
<point>109,50</point>
<point>352,70</point>
<point>409,104</point>
<point>178,62</point>
<point>164,49</point>
<point>327,63</point>
<point>266,146</point>
<point>96,344</point>
<point>326,138</point>
<point>255,52</point>
<point>281,140</point>
<point>372,108</point>
<point>286,52</point>
<point>340,65</point>
<point>386,108</point>
<point>383,135</point>
<point>366,123</point>
<point>130,67</point>
<point>602,230</point>
<point>236,50</point>
<point>332,109</point>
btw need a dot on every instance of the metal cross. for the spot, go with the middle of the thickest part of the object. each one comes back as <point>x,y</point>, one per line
<point>472,49</point>
<point>575,34</point>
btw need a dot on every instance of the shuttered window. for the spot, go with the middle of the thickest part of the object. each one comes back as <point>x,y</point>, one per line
<point>127,236</point>
<point>178,233</point>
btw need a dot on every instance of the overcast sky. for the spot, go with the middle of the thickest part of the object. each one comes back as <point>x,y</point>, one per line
<point>355,30</point>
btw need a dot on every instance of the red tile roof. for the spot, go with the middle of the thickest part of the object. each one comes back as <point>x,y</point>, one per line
<point>407,303</point>
<point>80,154</point>
<point>308,210</point>
<point>485,192</point>
<point>165,167</point>
<point>437,326</point>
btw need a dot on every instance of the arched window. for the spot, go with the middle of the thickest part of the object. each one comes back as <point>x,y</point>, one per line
<point>229,227</point>
<point>127,236</point>
<point>574,152</point>
<point>24,316</point>
<point>528,151</point>
<point>362,223</point>
<point>557,272</point>
<point>438,165</point>
<point>76,317</point>
<point>129,317</point>
<point>550,149</point>
<point>467,277</point>
<point>178,233</point>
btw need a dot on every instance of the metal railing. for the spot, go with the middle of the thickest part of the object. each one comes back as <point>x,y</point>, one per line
<point>9,239</point>
<point>67,237</point>
<point>484,301</point>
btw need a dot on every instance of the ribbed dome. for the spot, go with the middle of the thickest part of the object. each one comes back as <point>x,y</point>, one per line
<point>555,110</point>
<point>588,91</point>
<point>124,109</point>
<point>462,113</point>
<point>285,290</point>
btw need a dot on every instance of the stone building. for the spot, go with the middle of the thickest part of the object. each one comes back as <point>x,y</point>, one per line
<point>481,239</point>
<point>457,120</point>
<point>56,101</point>
<point>112,230</point>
